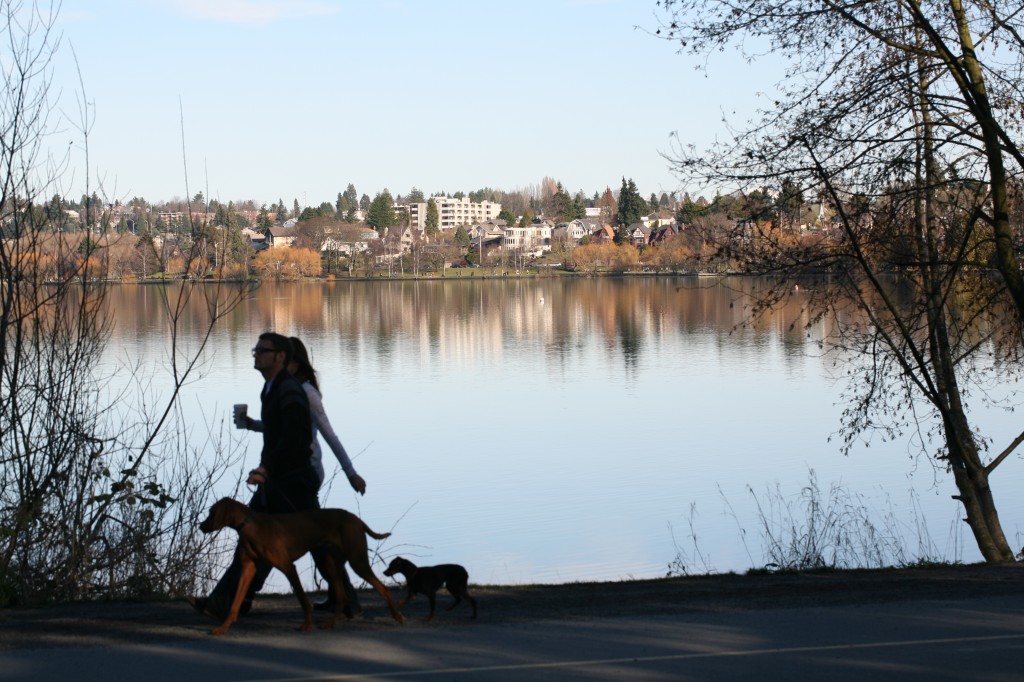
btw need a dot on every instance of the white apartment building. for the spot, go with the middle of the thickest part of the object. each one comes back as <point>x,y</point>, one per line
<point>454,212</point>
<point>534,239</point>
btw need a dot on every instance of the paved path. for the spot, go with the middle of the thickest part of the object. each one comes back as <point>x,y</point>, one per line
<point>976,639</point>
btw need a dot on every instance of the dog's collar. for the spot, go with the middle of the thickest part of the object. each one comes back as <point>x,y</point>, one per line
<point>240,526</point>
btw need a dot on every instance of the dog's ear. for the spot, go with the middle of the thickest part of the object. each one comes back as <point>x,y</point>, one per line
<point>219,513</point>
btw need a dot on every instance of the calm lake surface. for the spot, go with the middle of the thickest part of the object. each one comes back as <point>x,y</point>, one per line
<point>558,430</point>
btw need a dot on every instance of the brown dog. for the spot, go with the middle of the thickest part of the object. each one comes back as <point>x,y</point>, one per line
<point>429,579</point>
<point>280,539</point>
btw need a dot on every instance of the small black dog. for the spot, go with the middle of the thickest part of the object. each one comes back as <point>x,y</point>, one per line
<point>429,579</point>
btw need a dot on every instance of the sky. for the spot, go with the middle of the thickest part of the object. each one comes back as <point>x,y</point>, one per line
<point>294,99</point>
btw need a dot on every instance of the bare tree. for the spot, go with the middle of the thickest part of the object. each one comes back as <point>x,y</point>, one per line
<point>888,113</point>
<point>98,493</point>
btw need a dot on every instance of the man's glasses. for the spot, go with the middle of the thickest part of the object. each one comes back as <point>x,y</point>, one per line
<point>258,350</point>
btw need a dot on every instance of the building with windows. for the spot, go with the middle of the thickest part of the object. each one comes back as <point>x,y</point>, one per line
<point>533,239</point>
<point>452,213</point>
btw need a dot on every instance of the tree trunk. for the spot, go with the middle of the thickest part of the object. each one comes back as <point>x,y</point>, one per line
<point>975,494</point>
<point>969,474</point>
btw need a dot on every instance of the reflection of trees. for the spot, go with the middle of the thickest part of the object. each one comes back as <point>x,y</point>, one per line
<point>465,318</point>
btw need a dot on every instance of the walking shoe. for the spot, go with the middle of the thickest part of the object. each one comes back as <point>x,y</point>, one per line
<point>329,605</point>
<point>201,605</point>
<point>325,605</point>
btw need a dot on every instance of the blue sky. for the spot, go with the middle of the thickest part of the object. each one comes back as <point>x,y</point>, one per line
<point>294,99</point>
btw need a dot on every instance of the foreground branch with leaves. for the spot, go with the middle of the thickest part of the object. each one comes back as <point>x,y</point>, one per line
<point>905,118</point>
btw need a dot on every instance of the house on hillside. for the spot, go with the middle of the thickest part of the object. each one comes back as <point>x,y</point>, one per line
<point>489,233</point>
<point>602,233</point>
<point>813,217</point>
<point>400,238</point>
<point>279,237</point>
<point>638,233</point>
<point>569,233</point>
<point>533,239</point>
<point>662,233</point>
<point>348,242</point>
<point>257,240</point>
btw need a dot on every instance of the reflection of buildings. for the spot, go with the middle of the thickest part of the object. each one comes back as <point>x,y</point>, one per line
<point>472,324</point>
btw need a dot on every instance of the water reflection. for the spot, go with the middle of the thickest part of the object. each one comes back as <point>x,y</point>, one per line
<point>628,317</point>
<point>558,429</point>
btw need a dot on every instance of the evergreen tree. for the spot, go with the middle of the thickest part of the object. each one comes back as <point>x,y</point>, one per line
<point>689,210</point>
<point>351,196</point>
<point>281,214</point>
<point>55,210</point>
<point>561,205</point>
<point>433,221</point>
<point>231,217</point>
<point>263,220</point>
<point>621,234</point>
<point>791,198</point>
<point>295,209</point>
<point>579,207</point>
<point>631,207</point>
<point>381,212</point>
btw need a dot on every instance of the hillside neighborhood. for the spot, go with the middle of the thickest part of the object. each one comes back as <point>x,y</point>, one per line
<point>413,236</point>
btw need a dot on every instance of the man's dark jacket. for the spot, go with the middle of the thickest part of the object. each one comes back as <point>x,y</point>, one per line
<point>287,429</point>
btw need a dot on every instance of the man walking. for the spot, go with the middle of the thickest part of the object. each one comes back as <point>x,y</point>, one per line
<point>285,478</point>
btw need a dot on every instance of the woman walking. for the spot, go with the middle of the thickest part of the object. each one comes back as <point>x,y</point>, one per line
<point>302,369</point>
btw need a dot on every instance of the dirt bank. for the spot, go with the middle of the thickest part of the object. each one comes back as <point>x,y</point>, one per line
<point>106,623</point>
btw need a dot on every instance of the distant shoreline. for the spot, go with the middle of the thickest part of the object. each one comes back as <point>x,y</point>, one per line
<point>332,279</point>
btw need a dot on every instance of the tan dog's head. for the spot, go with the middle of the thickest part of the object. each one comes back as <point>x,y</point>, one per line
<point>225,512</point>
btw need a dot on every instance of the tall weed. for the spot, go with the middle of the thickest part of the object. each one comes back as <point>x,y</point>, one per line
<point>818,528</point>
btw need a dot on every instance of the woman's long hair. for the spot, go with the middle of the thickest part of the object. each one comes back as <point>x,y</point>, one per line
<point>304,372</point>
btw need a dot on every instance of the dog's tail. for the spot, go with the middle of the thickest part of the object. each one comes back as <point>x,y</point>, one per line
<point>372,534</point>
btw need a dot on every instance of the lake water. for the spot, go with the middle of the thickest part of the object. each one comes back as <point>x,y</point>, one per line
<point>559,430</point>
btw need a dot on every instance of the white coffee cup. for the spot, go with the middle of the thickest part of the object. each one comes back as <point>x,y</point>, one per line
<point>240,413</point>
